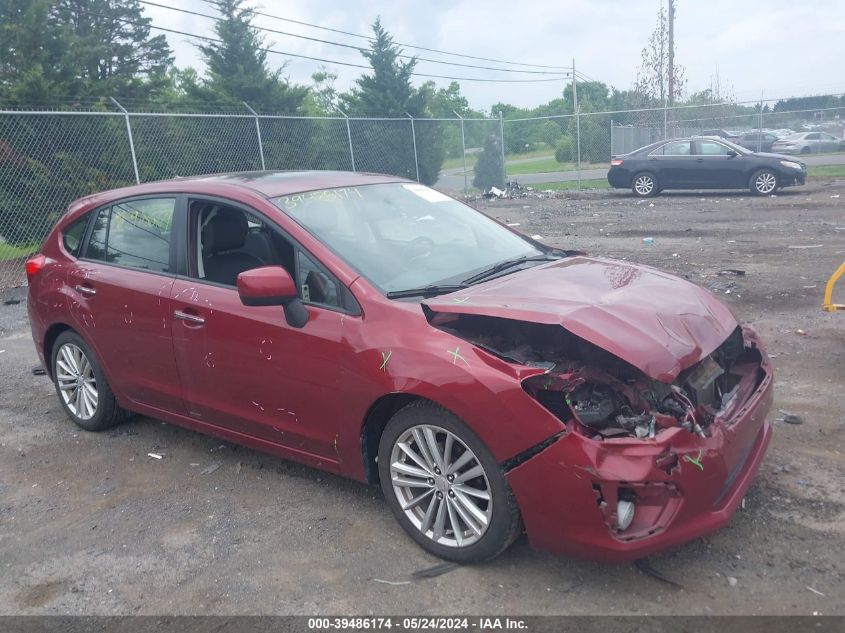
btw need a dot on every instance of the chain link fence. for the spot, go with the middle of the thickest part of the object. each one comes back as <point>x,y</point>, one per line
<point>48,158</point>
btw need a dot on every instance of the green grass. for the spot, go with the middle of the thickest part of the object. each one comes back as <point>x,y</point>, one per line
<point>826,171</point>
<point>571,184</point>
<point>9,251</point>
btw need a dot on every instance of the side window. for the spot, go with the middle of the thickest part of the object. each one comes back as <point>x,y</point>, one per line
<point>134,233</point>
<point>228,241</point>
<point>813,137</point>
<point>73,235</point>
<point>711,148</point>
<point>315,285</point>
<point>678,148</point>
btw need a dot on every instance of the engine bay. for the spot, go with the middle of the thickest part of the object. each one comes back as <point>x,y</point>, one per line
<point>602,396</point>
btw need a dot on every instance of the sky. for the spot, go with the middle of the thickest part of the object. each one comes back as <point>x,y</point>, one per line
<point>777,48</point>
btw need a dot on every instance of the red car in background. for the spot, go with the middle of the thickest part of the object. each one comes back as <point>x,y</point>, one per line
<point>375,328</point>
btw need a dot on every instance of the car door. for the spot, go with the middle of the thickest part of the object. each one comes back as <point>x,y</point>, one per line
<point>717,165</point>
<point>672,162</point>
<point>828,143</point>
<point>813,142</point>
<point>120,296</point>
<point>245,368</point>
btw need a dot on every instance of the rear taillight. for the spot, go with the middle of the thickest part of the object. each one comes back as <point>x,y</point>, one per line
<point>34,265</point>
<point>616,162</point>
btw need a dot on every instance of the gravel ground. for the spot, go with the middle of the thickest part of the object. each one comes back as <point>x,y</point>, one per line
<point>89,524</point>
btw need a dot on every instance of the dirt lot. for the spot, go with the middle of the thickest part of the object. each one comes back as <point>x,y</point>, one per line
<point>90,524</point>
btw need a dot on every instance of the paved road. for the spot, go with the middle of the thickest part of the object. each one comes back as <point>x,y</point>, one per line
<point>453,179</point>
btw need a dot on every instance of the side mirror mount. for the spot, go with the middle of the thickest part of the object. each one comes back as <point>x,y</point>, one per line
<point>731,153</point>
<point>272,286</point>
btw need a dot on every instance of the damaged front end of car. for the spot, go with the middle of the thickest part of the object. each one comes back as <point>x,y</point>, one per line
<point>642,462</point>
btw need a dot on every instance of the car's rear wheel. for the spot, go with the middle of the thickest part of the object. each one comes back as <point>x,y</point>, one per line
<point>644,185</point>
<point>83,391</point>
<point>445,487</point>
<point>764,182</point>
<point>805,150</point>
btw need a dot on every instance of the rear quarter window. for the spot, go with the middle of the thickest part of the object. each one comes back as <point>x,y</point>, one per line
<point>73,235</point>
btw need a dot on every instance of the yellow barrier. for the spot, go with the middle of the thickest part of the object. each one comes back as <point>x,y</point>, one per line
<point>828,305</point>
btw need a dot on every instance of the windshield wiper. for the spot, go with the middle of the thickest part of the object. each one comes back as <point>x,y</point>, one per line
<point>425,291</point>
<point>510,263</point>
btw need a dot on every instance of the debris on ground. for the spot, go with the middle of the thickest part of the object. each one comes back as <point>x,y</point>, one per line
<point>437,570</point>
<point>805,245</point>
<point>790,418</point>
<point>644,565</point>
<point>211,468</point>
<point>11,302</point>
<point>155,455</point>
<point>815,591</point>
<point>732,271</point>
<point>732,581</point>
<point>38,370</point>
<point>392,582</point>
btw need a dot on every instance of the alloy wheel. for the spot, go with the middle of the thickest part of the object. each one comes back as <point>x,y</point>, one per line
<point>76,381</point>
<point>644,185</point>
<point>441,486</point>
<point>766,182</point>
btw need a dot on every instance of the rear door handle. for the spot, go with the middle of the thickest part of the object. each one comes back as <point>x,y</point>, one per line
<point>85,290</point>
<point>190,318</point>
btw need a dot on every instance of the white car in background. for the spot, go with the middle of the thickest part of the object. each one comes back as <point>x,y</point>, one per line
<point>808,143</point>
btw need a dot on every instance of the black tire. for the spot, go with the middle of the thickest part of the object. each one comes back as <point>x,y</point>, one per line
<point>106,413</point>
<point>763,182</point>
<point>806,150</point>
<point>504,524</point>
<point>644,185</point>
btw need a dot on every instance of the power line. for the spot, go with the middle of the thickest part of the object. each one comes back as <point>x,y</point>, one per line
<point>352,46</point>
<point>419,48</point>
<point>318,59</point>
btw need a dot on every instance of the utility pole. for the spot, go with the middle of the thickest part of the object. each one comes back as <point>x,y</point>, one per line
<point>671,68</point>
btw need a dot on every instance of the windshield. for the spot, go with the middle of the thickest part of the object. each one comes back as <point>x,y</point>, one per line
<point>404,235</point>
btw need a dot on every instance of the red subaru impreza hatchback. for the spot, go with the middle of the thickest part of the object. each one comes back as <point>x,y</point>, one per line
<point>375,328</point>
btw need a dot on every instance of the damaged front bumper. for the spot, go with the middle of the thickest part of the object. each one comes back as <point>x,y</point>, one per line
<point>577,494</point>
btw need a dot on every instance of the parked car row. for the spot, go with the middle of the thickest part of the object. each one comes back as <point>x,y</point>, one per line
<point>782,141</point>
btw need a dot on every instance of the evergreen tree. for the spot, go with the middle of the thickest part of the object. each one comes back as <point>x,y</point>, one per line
<point>387,92</point>
<point>489,170</point>
<point>237,65</point>
<point>109,49</point>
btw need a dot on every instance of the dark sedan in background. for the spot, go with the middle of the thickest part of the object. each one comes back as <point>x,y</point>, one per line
<point>703,163</point>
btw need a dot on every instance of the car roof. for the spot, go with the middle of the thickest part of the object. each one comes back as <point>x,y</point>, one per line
<point>269,184</point>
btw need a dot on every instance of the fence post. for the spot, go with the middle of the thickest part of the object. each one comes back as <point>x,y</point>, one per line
<point>760,130</point>
<point>464,150</point>
<point>131,141</point>
<point>348,136</point>
<point>611,138</point>
<point>502,139</point>
<point>258,132</point>
<point>414,139</point>
<point>577,122</point>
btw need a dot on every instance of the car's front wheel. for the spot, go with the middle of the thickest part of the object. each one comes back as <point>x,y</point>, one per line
<point>764,182</point>
<point>644,185</point>
<point>445,487</point>
<point>83,391</point>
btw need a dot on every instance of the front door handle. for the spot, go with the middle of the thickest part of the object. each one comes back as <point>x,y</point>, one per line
<point>699,160</point>
<point>85,290</point>
<point>190,318</point>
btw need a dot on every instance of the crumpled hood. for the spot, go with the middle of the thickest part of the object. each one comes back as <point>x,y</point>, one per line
<point>657,322</point>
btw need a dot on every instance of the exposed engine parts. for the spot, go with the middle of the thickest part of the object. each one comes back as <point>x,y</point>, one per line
<point>602,396</point>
